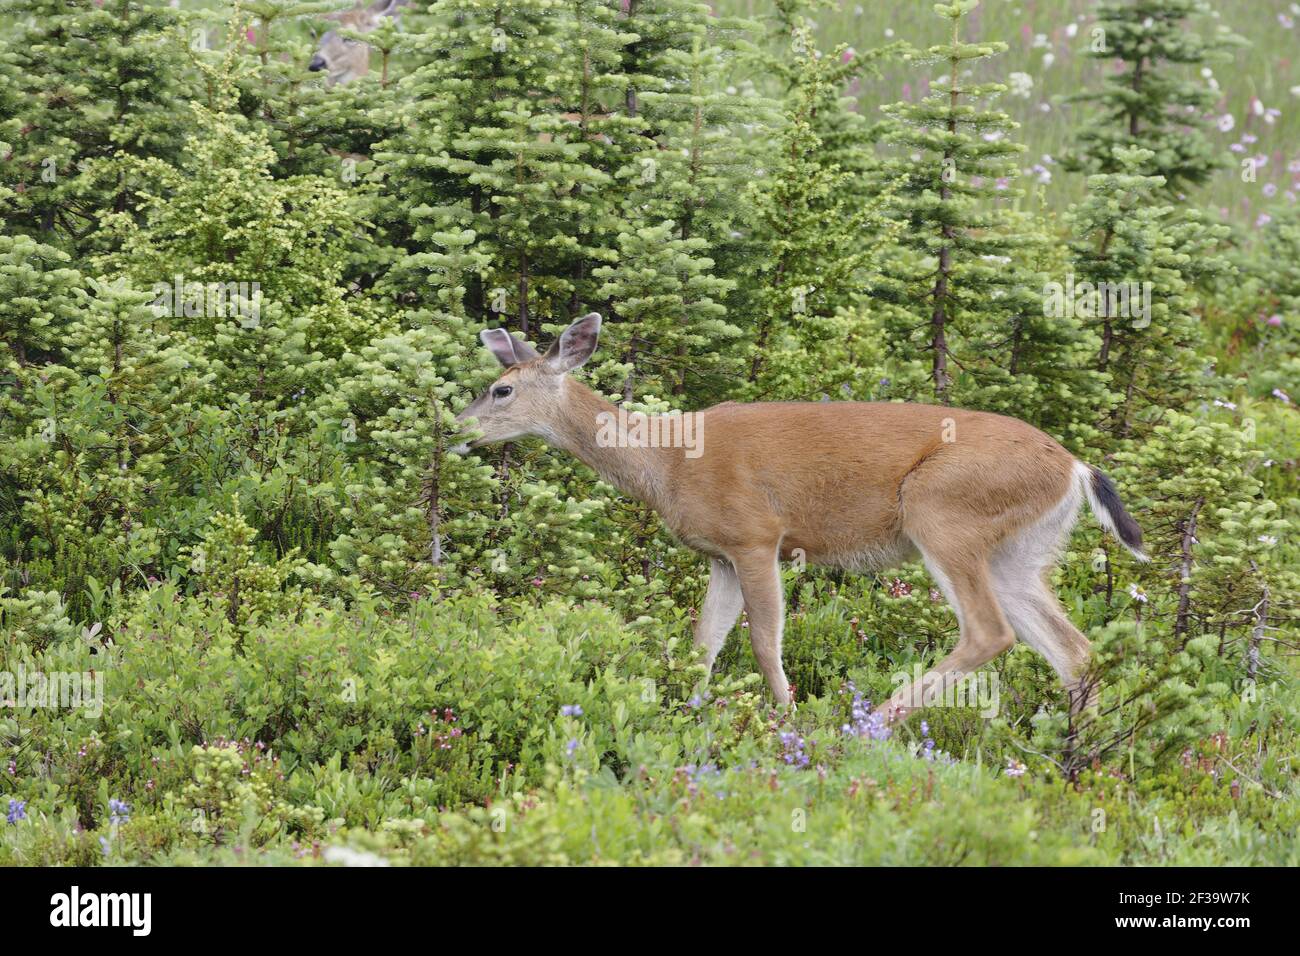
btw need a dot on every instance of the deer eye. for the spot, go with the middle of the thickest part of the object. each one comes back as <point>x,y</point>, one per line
<point>502,391</point>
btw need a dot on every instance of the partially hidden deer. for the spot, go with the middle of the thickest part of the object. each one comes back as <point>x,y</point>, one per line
<point>345,59</point>
<point>987,501</point>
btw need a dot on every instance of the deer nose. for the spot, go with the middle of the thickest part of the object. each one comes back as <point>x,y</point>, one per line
<point>317,63</point>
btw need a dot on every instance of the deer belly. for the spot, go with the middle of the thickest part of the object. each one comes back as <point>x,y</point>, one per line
<point>857,554</point>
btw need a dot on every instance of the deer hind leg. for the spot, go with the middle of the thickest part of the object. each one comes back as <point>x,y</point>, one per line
<point>985,632</point>
<point>1020,570</point>
<point>721,607</point>
<point>760,583</point>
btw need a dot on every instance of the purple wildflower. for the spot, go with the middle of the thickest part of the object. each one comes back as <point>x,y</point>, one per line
<point>118,812</point>
<point>866,723</point>
<point>792,750</point>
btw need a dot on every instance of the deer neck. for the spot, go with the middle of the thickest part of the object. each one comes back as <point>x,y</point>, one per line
<point>640,472</point>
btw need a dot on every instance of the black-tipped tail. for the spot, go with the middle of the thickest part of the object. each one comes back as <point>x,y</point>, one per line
<point>1103,497</point>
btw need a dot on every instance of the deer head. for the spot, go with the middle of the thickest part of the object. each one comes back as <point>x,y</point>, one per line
<point>530,398</point>
<point>344,58</point>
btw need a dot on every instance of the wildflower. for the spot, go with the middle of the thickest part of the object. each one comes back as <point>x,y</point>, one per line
<point>1267,540</point>
<point>1137,593</point>
<point>572,747</point>
<point>1015,768</point>
<point>1226,122</point>
<point>792,750</point>
<point>1275,321</point>
<point>1230,406</point>
<point>899,588</point>
<point>1021,84</point>
<point>17,811</point>
<point>118,812</point>
<point>1270,190</point>
<point>927,744</point>
<point>571,710</point>
<point>864,722</point>
<point>1279,394</point>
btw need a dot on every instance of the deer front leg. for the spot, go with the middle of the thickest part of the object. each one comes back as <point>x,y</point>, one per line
<point>722,606</point>
<point>760,583</point>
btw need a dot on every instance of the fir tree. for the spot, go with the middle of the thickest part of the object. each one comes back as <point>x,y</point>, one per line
<point>1210,530</point>
<point>947,198</point>
<point>414,515</point>
<point>486,151</point>
<point>1127,242</point>
<point>37,301</point>
<point>94,459</point>
<point>1157,98</point>
<point>85,81</point>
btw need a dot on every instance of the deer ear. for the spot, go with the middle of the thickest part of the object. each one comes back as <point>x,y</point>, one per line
<point>575,344</point>
<point>507,349</point>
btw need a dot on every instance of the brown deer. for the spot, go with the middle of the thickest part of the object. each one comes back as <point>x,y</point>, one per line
<point>345,59</point>
<point>987,501</point>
